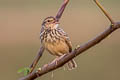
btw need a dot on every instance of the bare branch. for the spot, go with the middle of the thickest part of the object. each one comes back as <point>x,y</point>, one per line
<point>32,66</point>
<point>64,59</point>
<point>61,10</point>
<point>104,11</point>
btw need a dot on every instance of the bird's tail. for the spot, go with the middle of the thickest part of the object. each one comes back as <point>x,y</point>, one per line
<point>71,64</point>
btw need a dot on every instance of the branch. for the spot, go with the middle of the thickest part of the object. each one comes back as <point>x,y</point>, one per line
<point>104,11</point>
<point>61,10</point>
<point>32,66</point>
<point>67,57</point>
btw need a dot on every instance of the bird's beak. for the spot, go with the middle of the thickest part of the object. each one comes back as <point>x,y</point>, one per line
<point>56,22</point>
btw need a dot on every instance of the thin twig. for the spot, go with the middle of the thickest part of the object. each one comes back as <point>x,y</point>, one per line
<point>33,65</point>
<point>104,11</point>
<point>61,10</point>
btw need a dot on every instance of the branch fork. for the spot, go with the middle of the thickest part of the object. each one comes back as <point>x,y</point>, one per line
<point>79,50</point>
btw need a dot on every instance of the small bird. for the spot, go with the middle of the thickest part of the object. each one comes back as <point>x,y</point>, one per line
<point>55,40</point>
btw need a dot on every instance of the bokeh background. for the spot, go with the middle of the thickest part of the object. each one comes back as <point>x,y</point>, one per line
<point>20,23</point>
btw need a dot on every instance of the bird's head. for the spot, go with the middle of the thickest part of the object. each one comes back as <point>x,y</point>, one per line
<point>50,23</point>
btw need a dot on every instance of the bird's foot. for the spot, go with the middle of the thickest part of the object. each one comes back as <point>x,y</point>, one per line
<point>55,61</point>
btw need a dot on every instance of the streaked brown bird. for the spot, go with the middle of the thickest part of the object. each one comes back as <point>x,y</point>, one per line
<point>55,40</point>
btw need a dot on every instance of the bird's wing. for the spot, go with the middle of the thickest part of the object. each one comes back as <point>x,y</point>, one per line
<point>67,40</point>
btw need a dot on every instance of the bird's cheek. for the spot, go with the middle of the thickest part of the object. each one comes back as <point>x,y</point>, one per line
<point>50,26</point>
<point>47,26</point>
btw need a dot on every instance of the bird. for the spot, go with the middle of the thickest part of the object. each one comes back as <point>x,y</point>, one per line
<point>55,40</point>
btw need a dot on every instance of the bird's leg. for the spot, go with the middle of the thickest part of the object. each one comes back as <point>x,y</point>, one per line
<point>63,56</point>
<point>55,60</point>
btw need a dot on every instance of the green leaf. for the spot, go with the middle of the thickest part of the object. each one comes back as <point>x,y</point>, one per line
<point>25,70</point>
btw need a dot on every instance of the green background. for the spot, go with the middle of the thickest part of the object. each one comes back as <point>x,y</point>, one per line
<point>20,23</point>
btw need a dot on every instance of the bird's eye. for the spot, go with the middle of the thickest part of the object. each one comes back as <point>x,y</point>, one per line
<point>48,21</point>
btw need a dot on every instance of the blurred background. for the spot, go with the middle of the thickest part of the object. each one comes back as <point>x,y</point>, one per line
<point>20,23</point>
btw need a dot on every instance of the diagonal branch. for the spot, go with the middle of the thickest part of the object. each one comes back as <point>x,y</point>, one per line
<point>32,66</point>
<point>104,11</point>
<point>64,59</point>
<point>61,10</point>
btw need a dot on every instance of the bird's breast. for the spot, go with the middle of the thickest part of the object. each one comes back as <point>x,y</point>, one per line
<point>57,48</point>
<point>54,42</point>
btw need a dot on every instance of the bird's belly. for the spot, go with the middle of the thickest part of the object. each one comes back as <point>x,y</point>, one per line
<point>57,48</point>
